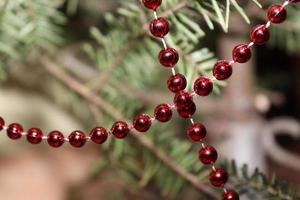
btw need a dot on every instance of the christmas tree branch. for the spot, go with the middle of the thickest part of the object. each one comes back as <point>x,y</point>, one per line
<point>86,93</point>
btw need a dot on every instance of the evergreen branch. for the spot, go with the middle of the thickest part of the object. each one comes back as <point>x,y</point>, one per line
<point>86,93</point>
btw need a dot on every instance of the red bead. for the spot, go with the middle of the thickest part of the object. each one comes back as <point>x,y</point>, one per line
<point>120,129</point>
<point>241,53</point>
<point>55,139</point>
<point>218,177</point>
<point>77,139</point>
<point>142,122</point>
<point>152,4</point>
<point>196,132</point>
<point>163,112</point>
<point>208,155</point>
<point>159,27</point>
<point>294,1</point>
<point>176,83</point>
<point>2,123</point>
<point>14,131</point>
<point>277,14</point>
<point>222,70</point>
<point>203,86</point>
<point>34,136</point>
<point>187,111</point>
<point>183,99</point>
<point>230,195</point>
<point>98,135</point>
<point>260,34</point>
<point>168,57</point>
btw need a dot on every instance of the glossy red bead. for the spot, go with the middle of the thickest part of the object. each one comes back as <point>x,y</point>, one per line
<point>196,132</point>
<point>152,4</point>
<point>34,135</point>
<point>98,135</point>
<point>183,99</point>
<point>120,129</point>
<point>203,86</point>
<point>14,131</point>
<point>241,53</point>
<point>2,123</point>
<point>77,139</point>
<point>163,112</point>
<point>218,177</point>
<point>230,195</point>
<point>259,34</point>
<point>187,111</point>
<point>159,27</point>
<point>55,139</point>
<point>222,70</point>
<point>142,122</point>
<point>208,155</point>
<point>168,57</point>
<point>277,14</point>
<point>176,83</point>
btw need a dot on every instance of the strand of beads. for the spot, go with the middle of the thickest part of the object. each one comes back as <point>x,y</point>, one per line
<point>185,105</point>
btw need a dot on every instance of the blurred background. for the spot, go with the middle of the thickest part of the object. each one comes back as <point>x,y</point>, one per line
<point>71,64</point>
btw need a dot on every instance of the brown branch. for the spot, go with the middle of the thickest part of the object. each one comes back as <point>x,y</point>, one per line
<point>86,93</point>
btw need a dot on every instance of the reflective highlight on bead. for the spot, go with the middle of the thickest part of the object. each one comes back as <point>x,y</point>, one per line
<point>34,136</point>
<point>168,57</point>
<point>98,135</point>
<point>230,195</point>
<point>159,27</point>
<point>260,34</point>
<point>203,86</point>
<point>55,139</point>
<point>183,99</point>
<point>218,177</point>
<point>241,53</point>
<point>196,132</point>
<point>14,131</point>
<point>277,14</point>
<point>163,112</point>
<point>120,129</point>
<point>77,139</point>
<point>142,122</point>
<point>187,111</point>
<point>222,70</point>
<point>152,4</point>
<point>208,155</point>
<point>176,83</point>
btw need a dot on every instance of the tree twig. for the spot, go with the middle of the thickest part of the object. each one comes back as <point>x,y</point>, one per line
<point>86,93</point>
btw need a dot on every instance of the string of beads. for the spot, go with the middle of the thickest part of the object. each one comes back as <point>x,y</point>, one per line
<point>183,100</point>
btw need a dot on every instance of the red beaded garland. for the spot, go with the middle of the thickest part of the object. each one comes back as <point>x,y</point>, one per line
<point>260,34</point>
<point>2,123</point>
<point>77,139</point>
<point>218,177</point>
<point>14,131</point>
<point>187,111</point>
<point>34,135</point>
<point>183,99</point>
<point>142,122</point>
<point>55,139</point>
<point>176,83</point>
<point>208,155</point>
<point>120,129</point>
<point>159,27</point>
<point>168,57</point>
<point>203,86</point>
<point>230,195</point>
<point>163,112</point>
<point>152,4</point>
<point>222,70</point>
<point>196,132</point>
<point>277,14</point>
<point>98,135</point>
<point>241,53</point>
